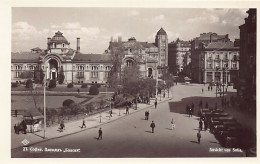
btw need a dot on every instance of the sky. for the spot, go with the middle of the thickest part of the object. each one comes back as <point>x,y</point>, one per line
<point>95,26</point>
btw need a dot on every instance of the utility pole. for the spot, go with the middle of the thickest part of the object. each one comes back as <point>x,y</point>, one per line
<point>44,110</point>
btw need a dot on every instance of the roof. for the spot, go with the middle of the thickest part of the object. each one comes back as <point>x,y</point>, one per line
<point>92,58</point>
<point>58,38</point>
<point>161,32</point>
<point>25,57</point>
<point>221,45</point>
<point>147,45</point>
<point>207,36</point>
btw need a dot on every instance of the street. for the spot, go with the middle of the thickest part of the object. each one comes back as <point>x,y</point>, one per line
<point>131,136</point>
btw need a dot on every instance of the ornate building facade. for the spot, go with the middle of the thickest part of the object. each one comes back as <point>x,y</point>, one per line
<point>214,59</point>
<point>179,55</point>
<point>88,68</point>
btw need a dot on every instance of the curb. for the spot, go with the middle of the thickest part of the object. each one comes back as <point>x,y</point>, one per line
<point>44,140</point>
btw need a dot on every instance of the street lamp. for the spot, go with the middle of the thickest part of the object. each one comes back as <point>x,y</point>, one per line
<point>217,81</point>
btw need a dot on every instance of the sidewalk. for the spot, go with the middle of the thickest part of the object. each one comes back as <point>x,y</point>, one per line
<point>73,127</point>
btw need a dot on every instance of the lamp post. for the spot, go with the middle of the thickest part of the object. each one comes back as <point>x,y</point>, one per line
<point>217,82</point>
<point>44,105</point>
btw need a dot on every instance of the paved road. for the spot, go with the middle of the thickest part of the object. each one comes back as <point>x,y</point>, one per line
<point>131,136</point>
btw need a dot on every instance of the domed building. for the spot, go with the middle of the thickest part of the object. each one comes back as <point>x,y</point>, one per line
<point>78,67</point>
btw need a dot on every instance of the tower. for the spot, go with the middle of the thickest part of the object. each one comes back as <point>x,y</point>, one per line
<point>161,41</point>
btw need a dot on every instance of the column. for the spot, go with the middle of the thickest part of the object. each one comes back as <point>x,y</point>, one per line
<point>205,76</point>
<point>221,75</point>
<point>213,76</point>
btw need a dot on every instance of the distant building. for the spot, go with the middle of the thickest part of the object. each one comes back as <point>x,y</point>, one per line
<point>246,86</point>
<point>88,68</point>
<point>179,55</point>
<point>214,60</point>
<point>77,67</point>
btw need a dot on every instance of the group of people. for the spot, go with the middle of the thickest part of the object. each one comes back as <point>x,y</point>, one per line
<point>190,110</point>
<point>20,127</point>
<point>146,114</point>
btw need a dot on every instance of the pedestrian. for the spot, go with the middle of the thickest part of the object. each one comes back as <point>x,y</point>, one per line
<point>99,134</point>
<point>163,94</point>
<point>205,124</point>
<point>62,125</point>
<point>211,88</point>
<point>155,103</point>
<point>127,110</point>
<point>192,111</point>
<point>15,129</point>
<point>145,115</point>
<point>200,125</point>
<point>78,90</point>
<point>15,112</point>
<point>208,88</point>
<point>148,115</point>
<point>173,124</point>
<point>198,136</point>
<point>152,126</point>
<point>192,105</point>
<point>110,112</point>
<point>187,109</point>
<point>207,105</point>
<point>24,126</point>
<point>202,90</point>
<point>83,123</point>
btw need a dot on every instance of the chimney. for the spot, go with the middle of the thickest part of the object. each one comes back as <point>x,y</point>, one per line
<point>48,43</point>
<point>78,44</point>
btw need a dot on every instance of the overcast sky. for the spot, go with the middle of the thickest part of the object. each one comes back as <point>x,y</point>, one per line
<point>32,26</point>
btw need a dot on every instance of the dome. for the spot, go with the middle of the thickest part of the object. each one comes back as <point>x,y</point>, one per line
<point>161,32</point>
<point>58,38</point>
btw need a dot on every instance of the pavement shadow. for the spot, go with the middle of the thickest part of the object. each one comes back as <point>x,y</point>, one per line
<point>180,106</point>
<point>148,131</point>
<point>96,138</point>
<point>214,142</point>
<point>194,142</point>
<point>168,128</point>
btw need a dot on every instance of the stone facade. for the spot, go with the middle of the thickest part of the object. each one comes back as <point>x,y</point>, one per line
<point>179,55</point>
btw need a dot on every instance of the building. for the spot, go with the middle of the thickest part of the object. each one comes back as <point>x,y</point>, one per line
<point>161,41</point>
<point>215,62</point>
<point>78,67</point>
<point>246,86</point>
<point>205,43</point>
<point>179,55</point>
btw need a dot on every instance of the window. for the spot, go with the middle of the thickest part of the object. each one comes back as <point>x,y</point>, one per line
<point>209,65</point>
<point>234,65</point>
<point>217,57</point>
<point>94,74</point>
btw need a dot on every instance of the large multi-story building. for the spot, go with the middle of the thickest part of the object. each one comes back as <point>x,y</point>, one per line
<point>218,46</point>
<point>87,68</point>
<point>179,55</point>
<point>214,60</point>
<point>247,72</point>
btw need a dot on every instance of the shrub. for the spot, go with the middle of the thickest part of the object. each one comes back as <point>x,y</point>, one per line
<point>84,85</point>
<point>13,85</point>
<point>67,102</point>
<point>52,83</point>
<point>93,90</point>
<point>70,85</point>
<point>98,85</point>
<point>29,83</point>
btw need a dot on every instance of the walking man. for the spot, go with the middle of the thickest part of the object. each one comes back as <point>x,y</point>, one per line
<point>155,103</point>
<point>110,112</point>
<point>145,114</point>
<point>100,134</point>
<point>83,123</point>
<point>127,110</point>
<point>152,126</point>
<point>173,124</point>
<point>200,125</point>
<point>198,136</point>
<point>202,90</point>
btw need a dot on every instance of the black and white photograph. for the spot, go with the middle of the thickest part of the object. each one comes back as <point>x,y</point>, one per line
<point>133,82</point>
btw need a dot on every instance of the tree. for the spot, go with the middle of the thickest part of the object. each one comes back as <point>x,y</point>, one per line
<point>26,75</point>
<point>42,75</point>
<point>131,79</point>
<point>117,55</point>
<point>61,76</point>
